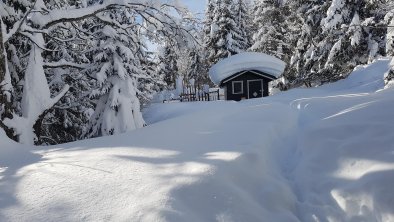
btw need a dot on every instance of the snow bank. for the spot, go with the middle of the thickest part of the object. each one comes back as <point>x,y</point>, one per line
<point>13,157</point>
<point>246,61</point>
<point>13,154</point>
<point>322,154</point>
<point>8,149</point>
<point>158,112</point>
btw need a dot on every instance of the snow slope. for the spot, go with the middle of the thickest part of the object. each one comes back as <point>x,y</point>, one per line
<point>323,154</point>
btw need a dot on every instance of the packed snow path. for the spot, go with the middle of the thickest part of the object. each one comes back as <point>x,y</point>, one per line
<point>322,154</point>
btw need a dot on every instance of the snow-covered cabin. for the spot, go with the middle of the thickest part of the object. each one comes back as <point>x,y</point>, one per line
<point>246,75</point>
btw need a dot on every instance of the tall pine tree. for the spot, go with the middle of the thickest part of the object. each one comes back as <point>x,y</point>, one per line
<point>272,33</point>
<point>389,18</point>
<point>116,69</point>
<point>226,31</point>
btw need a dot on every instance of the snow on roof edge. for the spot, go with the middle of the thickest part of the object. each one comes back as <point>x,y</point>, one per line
<point>244,62</point>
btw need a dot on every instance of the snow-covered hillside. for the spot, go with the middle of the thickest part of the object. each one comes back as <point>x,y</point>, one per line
<point>322,154</point>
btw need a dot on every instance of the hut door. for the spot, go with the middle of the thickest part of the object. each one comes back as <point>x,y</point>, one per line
<point>255,88</point>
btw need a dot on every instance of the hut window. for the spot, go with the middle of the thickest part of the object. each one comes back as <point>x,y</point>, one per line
<point>238,87</point>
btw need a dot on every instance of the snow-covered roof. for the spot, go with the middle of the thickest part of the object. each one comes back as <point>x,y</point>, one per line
<point>244,62</point>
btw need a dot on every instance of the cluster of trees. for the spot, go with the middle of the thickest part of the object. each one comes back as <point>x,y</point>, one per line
<point>321,41</point>
<point>81,68</point>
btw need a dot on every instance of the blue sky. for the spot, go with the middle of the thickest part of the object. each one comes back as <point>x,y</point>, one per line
<point>196,6</point>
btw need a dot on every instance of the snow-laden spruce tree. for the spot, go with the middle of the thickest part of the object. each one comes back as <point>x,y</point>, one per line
<point>223,36</point>
<point>191,63</point>
<point>115,67</point>
<point>242,14</point>
<point>389,18</point>
<point>10,13</point>
<point>197,69</point>
<point>54,124</point>
<point>172,53</point>
<point>353,33</point>
<point>335,36</point>
<point>306,16</point>
<point>168,56</point>
<point>119,55</point>
<point>63,63</point>
<point>5,83</point>
<point>208,30</point>
<point>191,66</point>
<point>272,34</point>
<point>151,82</point>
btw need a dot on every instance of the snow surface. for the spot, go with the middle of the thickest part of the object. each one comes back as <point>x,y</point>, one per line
<point>322,154</point>
<point>244,62</point>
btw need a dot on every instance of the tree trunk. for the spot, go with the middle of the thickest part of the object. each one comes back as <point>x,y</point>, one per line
<point>37,127</point>
<point>5,101</point>
<point>3,98</point>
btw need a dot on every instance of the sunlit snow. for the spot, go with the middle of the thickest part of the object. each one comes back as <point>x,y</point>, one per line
<point>321,154</point>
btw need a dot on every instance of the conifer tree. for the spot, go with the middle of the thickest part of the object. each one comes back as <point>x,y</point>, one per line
<point>116,69</point>
<point>167,66</point>
<point>304,61</point>
<point>209,31</point>
<point>271,35</point>
<point>5,82</point>
<point>348,39</point>
<point>389,18</point>
<point>333,37</point>
<point>243,22</point>
<point>223,34</point>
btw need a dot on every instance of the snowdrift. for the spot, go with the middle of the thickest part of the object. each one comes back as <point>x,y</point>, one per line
<point>13,154</point>
<point>323,154</point>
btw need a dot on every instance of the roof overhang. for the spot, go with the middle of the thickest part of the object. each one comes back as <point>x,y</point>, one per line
<point>268,76</point>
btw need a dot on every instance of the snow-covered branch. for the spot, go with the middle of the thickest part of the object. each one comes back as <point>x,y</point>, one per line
<point>17,26</point>
<point>65,64</point>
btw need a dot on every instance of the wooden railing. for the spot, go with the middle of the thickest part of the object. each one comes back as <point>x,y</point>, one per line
<point>195,94</point>
<point>200,96</point>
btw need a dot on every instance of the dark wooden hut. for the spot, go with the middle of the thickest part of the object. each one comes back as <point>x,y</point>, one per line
<point>246,75</point>
<point>246,85</point>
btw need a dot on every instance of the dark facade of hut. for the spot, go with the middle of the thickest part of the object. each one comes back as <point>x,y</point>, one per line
<point>246,85</point>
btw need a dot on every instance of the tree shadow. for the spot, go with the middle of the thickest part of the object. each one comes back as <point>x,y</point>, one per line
<point>16,158</point>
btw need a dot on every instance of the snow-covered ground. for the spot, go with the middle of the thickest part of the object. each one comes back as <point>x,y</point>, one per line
<point>322,154</point>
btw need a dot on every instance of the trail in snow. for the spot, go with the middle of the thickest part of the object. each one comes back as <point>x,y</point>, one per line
<point>323,154</point>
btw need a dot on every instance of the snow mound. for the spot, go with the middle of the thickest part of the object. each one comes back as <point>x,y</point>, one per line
<point>244,62</point>
<point>13,155</point>
<point>368,78</point>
